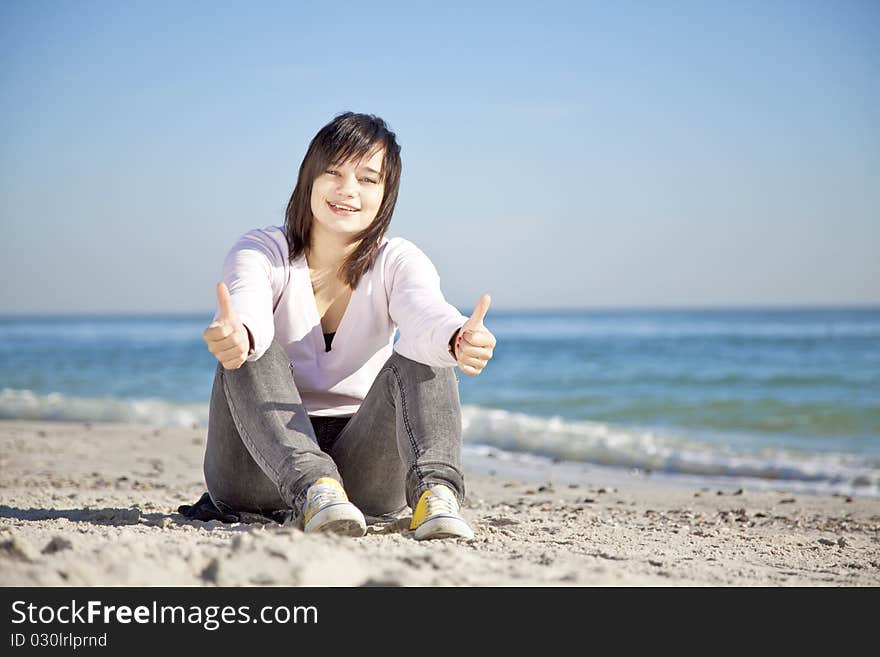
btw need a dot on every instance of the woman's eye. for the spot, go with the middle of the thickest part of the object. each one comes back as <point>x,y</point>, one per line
<point>369,180</point>
<point>332,172</point>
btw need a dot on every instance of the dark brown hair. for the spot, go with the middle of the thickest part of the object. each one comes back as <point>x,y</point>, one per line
<point>348,136</point>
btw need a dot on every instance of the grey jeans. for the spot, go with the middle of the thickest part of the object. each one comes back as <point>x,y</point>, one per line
<point>263,453</point>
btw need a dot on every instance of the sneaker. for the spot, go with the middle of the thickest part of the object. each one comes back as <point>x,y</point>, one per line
<point>327,509</point>
<point>437,516</point>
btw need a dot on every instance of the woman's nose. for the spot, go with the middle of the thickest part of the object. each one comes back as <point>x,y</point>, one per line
<point>348,185</point>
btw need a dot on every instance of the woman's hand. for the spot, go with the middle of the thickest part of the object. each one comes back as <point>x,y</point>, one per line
<point>475,343</point>
<point>227,338</point>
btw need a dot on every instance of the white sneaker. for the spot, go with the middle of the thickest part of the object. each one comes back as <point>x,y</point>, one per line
<point>437,516</point>
<point>327,509</point>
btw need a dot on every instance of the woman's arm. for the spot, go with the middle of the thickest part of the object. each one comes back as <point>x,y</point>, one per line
<point>417,306</point>
<point>254,274</point>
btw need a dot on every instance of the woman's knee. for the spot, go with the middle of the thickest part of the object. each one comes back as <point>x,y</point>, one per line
<point>272,372</point>
<point>275,357</point>
<point>417,372</point>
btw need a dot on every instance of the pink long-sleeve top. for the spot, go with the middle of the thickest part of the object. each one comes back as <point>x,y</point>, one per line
<point>274,299</point>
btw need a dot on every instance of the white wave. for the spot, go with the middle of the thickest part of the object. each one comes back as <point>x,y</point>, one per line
<point>25,405</point>
<point>521,436</point>
<point>604,444</point>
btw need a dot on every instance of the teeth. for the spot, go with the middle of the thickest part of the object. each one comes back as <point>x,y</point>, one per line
<point>340,207</point>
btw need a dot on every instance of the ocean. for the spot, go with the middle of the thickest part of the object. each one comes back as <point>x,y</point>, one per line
<point>785,399</point>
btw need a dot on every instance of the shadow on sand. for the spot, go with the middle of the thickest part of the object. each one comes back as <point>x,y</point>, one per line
<point>113,516</point>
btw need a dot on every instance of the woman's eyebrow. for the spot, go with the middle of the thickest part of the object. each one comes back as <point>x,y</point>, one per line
<point>360,168</point>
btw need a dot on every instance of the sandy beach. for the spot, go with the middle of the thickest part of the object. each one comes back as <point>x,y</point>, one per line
<point>96,504</point>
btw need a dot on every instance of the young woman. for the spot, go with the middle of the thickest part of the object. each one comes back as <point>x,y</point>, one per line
<point>315,408</point>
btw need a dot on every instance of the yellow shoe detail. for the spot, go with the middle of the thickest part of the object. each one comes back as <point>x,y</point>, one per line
<point>327,509</point>
<point>437,515</point>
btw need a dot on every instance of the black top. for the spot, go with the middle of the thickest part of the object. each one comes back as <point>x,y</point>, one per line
<point>328,338</point>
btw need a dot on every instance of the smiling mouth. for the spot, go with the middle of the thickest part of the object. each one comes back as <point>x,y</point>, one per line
<point>342,208</point>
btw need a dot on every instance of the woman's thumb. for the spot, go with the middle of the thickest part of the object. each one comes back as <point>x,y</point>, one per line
<point>227,312</point>
<point>476,318</point>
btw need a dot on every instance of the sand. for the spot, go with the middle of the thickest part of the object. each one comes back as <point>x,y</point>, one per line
<point>95,504</point>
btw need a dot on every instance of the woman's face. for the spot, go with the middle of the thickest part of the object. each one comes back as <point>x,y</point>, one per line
<point>346,197</point>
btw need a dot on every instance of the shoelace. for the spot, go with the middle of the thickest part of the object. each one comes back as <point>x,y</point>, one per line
<point>439,504</point>
<point>324,494</point>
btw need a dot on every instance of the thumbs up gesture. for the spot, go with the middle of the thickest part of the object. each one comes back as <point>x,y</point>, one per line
<point>227,338</point>
<point>475,343</point>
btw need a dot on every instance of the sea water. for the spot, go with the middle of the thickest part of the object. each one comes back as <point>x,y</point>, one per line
<point>766,398</point>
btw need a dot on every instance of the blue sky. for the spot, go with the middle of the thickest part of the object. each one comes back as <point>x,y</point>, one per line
<point>555,154</point>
